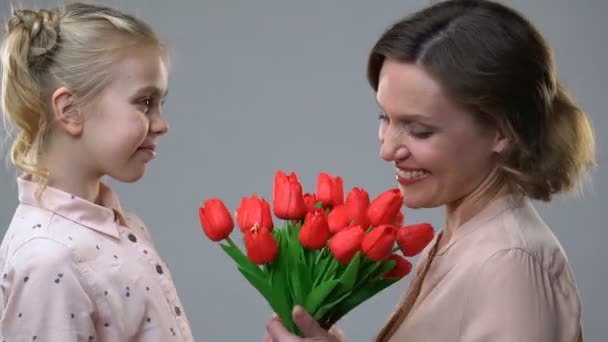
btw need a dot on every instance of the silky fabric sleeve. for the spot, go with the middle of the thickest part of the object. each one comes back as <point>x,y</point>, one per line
<point>514,298</point>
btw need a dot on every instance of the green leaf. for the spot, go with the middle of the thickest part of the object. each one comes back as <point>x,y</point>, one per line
<point>368,267</point>
<point>347,279</point>
<point>332,268</point>
<point>320,269</point>
<point>296,269</point>
<point>310,257</point>
<point>278,274</point>
<point>385,267</point>
<point>318,294</point>
<point>241,259</point>
<point>307,272</point>
<point>329,304</point>
<point>357,297</point>
<point>349,276</point>
<point>276,294</point>
<point>260,283</point>
<point>274,297</point>
<point>280,291</point>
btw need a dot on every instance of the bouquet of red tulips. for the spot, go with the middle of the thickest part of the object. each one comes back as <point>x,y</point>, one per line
<point>332,253</point>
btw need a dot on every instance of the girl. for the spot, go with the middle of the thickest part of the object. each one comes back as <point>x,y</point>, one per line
<point>83,87</point>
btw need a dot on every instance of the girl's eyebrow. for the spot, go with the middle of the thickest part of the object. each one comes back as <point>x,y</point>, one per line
<point>153,89</point>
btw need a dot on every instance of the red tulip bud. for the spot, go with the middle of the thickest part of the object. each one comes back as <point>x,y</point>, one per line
<point>315,231</point>
<point>402,267</point>
<point>384,208</point>
<point>287,196</point>
<point>310,200</point>
<point>339,218</point>
<point>399,218</point>
<point>413,239</point>
<point>346,243</point>
<point>215,219</point>
<point>260,245</point>
<point>330,190</point>
<point>254,212</point>
<point>378,244</point>
<point>357,202</point>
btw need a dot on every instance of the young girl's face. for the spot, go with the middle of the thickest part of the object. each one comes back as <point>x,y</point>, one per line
<point>124,124</point>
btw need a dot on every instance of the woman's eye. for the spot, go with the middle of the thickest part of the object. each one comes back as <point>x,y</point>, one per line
<point>421,134</point>
<point>383,117</point>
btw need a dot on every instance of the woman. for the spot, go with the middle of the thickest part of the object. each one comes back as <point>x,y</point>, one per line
<point>475,120</point>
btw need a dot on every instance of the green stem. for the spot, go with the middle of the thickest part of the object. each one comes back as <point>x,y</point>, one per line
<point>231,243</point>
<point>320,254</point>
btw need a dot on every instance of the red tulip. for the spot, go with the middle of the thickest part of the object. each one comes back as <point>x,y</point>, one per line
<point>384,208</point>
<point>330,190</point>
<point>402,267</point>
<point>315,231</point>
<point>413,239</point>
<point>215,219</point>
<point>339,218</point>
<point>357,202</point>
<point>287,197</point>
<point>399,218</point>
<point>260,245</point>
<point>378,244</point>
<point>346,243</point>
<point>254,212</point>
<point>310,200</point>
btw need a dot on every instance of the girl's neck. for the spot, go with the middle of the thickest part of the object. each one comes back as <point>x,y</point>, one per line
<point>67,174</point>
<point>82,187</point>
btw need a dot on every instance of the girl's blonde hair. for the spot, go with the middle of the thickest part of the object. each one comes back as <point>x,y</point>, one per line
<point>72,46</point>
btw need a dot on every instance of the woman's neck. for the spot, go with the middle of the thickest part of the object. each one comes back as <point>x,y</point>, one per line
<point>460,211</point>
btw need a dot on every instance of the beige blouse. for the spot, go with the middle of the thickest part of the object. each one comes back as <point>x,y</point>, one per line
<point>503,277</point>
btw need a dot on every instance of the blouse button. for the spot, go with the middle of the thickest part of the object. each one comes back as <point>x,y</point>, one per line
<point>159,269</point>
<point>132,238</point>
<point>178,311</point>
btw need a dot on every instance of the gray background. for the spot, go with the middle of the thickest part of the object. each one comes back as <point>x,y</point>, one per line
<point>264,85</point>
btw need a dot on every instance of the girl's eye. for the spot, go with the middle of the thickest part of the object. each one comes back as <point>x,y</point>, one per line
<point>147,104</point>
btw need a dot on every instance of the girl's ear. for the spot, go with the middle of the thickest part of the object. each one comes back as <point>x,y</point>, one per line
<point>65,112</point>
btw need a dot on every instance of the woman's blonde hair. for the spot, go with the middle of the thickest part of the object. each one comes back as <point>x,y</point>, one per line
<point>72,46</point>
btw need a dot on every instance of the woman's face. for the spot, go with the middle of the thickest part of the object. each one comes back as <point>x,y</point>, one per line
<point>441,153</point>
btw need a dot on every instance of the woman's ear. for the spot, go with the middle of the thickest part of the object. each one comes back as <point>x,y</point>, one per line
<point>501,142</point>
<point>65,112</point>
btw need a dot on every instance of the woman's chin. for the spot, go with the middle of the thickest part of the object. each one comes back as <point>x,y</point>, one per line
<point>418,202</point>
<point>414,205</point>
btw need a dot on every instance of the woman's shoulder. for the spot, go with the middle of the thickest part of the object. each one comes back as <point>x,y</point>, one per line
<point>523,228</point>
<point>517,232</point>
